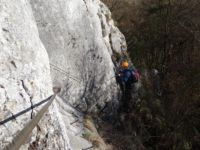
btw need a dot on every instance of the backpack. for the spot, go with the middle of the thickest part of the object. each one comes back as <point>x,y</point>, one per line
<point>137,75</point>
<point>133,76</point>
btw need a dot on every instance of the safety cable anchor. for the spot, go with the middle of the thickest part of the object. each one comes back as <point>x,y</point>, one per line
<point>13,117</point>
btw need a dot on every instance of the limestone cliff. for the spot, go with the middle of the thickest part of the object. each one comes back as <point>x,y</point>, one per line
<point>80,37</point>
<point>67,43</point>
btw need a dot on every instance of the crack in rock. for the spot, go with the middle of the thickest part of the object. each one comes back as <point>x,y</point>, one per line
<point>30,96</point>
<point>86,5</point>
<point>13,63</point>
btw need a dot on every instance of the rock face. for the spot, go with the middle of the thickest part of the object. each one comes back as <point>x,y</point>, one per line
<point>24,66</point>
<point>80,37</point>
<point>66,42</point>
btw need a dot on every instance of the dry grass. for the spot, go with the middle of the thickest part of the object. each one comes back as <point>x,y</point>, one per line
<point>93,136</point>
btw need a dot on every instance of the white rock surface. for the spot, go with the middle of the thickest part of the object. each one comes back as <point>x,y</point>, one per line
<point>79,37</point>
<point>24,69</point>
<point>60,129</point>
<point>24,72</point>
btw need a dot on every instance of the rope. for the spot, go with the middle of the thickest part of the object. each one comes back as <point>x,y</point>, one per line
<point>64,72</point>
<point>77,120</point>
<point>59,69</point>
<point>32,109</point>
<point>20,138</point>
<point>24,111</point>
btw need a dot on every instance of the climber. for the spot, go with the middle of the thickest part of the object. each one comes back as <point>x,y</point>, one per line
<point>127,76</point>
